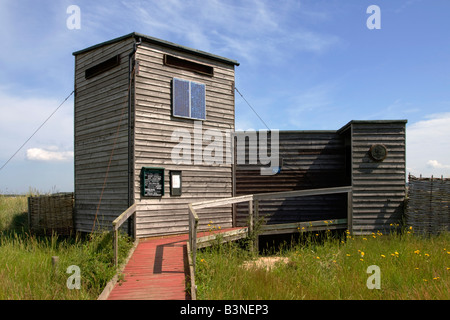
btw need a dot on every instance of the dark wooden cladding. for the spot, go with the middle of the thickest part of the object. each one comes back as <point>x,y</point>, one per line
<point>378,186</point>
<point>100,106</point>
<point>153,143</point>
<point>102,67</point>
<point>310,160</point>
<point>111,148</point>
<point>318,159</point>
<point>184,64</point>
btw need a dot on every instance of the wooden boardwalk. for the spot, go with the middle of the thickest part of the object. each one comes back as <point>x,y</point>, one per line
<point>157,270</point>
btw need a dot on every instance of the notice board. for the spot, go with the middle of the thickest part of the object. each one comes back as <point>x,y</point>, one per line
<point>152,182</point>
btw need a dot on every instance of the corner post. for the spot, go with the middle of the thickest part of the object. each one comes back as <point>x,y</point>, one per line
<point>350,212</point>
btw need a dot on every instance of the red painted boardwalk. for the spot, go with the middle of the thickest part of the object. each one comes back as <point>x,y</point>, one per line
<point>157,270</point>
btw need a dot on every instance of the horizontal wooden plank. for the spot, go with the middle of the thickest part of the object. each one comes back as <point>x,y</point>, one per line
<point>221,202</point>
<point>304,227</point>
<point>301,193</point>
<point>205,241</point>
<point>124,216</point>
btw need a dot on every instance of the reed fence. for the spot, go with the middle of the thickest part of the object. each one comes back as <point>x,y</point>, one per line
<point>427,209</point>
<point>51,214</point>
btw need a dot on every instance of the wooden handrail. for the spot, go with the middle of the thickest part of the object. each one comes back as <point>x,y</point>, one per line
<point>221,202</point>
<point>301,193</point>
<point>116,225</point>
<point>123,217</point>
<point>253,208</point>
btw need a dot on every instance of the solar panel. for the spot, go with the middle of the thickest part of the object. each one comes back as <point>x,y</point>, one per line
<point>188,99</point>
<point>198,101</point>
<point>181,103</point>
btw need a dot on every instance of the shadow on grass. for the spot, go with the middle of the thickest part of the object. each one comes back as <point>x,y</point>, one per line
<point>18,224</point>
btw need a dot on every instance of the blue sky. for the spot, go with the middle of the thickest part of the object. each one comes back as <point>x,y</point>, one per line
<point>304,65</point>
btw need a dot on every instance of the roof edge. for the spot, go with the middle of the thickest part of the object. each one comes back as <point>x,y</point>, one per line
<point>345,127</point>
<point>163,43</point>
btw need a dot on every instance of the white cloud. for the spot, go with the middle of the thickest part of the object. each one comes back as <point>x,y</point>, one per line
<point>22,115</point>
<point>437,165</point>
<point>253,31</point>
<point>51,154</point>
<point>428,146</point>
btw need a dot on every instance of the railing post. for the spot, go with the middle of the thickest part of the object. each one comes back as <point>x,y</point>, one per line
<point>193,223</point>
<point>250,223</point>
<point>256,217</point>
<point>350,212</point>
<point>194,243</point>
<point>116,246</point>
<point>131,211</point>
<point>250,215</point>
<point>135,225</point>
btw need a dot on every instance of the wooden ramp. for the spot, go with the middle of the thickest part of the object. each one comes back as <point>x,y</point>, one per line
<point>158,267</point>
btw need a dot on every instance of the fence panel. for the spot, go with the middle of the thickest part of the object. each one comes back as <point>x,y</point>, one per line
<point>51,214</point>
<point>427,208</point>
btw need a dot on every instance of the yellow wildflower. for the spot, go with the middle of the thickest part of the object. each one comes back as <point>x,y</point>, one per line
<point>383,256</point>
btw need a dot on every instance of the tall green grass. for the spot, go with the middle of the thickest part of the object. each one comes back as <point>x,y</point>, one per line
<point>322,266</point>
<point>26,269</point>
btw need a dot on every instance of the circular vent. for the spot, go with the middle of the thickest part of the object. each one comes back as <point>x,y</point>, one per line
<point>378,152</point>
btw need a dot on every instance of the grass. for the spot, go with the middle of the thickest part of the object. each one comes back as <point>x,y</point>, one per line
<point>331,266</point>
<point>26,270</point>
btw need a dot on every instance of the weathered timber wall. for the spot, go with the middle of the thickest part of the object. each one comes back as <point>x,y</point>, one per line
<point>310,160</point>
<point>154,126</point>
<point>101,129</point>
<point>378,186</point>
